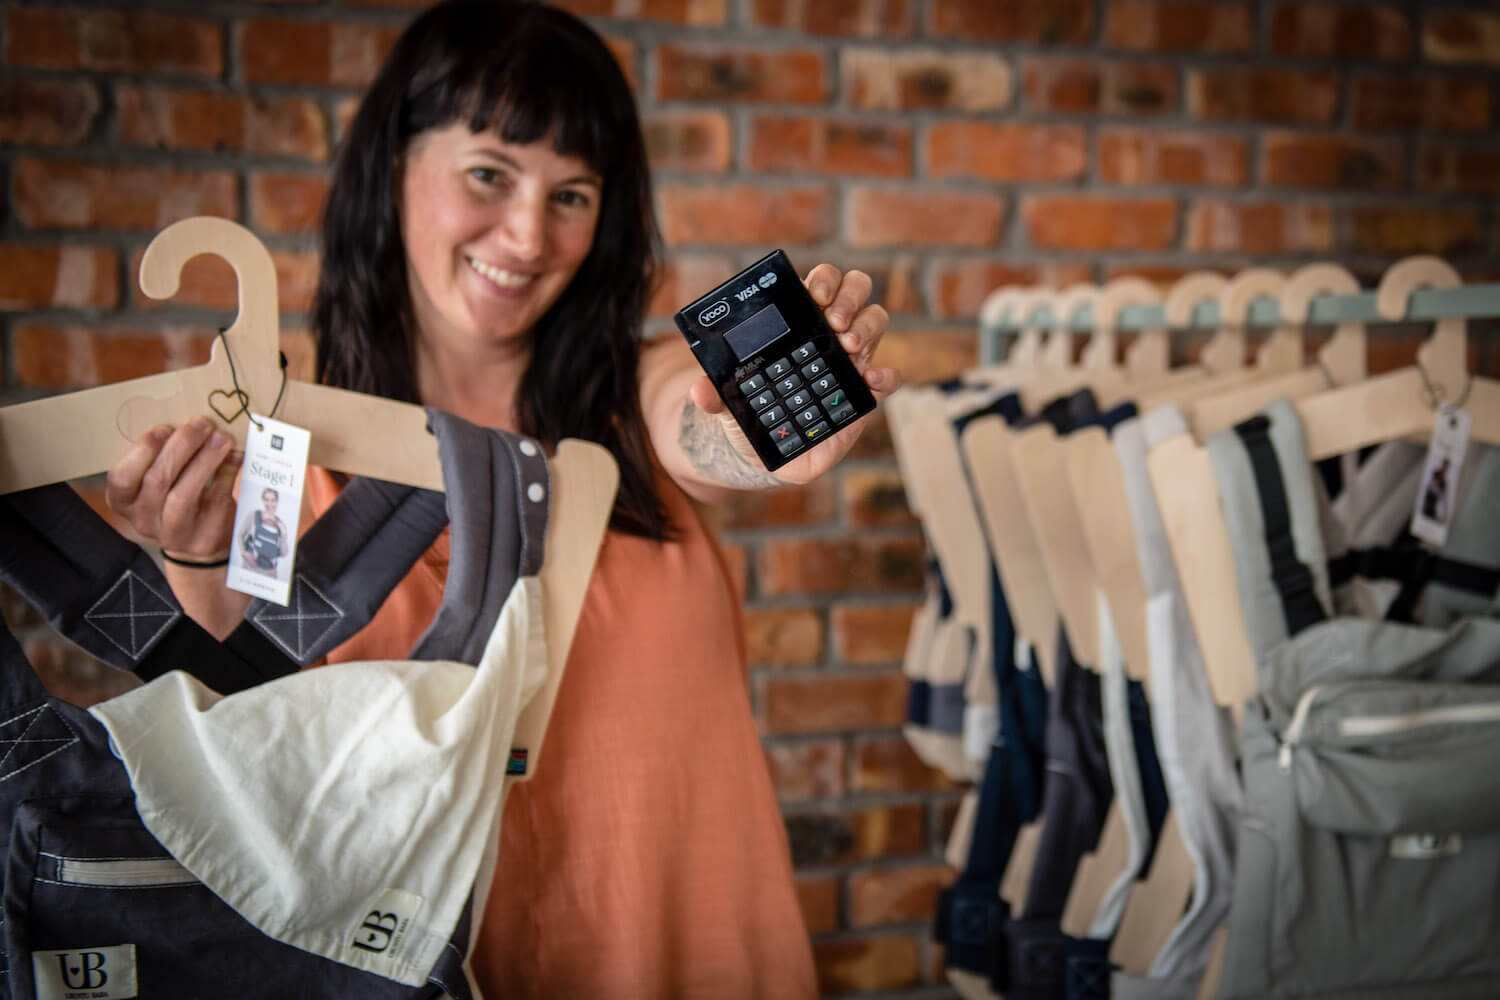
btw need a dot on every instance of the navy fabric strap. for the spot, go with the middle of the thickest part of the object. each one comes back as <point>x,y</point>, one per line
<point>1292,579</point>
<point>1153,782</point>
<point>105,594</point>
<point>1414,567</point>
<point>1086,969</point>
<point>1007,407</point>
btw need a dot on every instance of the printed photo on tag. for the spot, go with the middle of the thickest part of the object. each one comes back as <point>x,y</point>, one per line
<point>269,505</point>
<point>1439,491</point>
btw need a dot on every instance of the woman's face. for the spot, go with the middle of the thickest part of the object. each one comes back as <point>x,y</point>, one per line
<point>494,232</point>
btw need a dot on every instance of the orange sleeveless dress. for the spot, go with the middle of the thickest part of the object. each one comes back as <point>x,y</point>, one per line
<point>647,858</point>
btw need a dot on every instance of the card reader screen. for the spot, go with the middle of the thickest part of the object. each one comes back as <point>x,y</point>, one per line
<point>751,337</point>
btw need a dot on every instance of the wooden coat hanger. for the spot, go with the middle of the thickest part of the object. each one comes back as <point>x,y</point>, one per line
<point>1341,361</point>
<point>1222,360</point>
<point>1025,352</point>
<point>1279,353</point>
<point>1097,371</point>
<point>84,433</point>
<point>1156,904</point>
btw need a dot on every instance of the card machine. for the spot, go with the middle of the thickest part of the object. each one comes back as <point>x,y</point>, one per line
<point>774,360</point>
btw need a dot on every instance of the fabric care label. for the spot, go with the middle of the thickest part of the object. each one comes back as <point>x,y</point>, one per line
<point>1426,846</point>
<point>1445,458</point>
<point>381,932</point>
<point>270,502</point>
<point>85,973</point>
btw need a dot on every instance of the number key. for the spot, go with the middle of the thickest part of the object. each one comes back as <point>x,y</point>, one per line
<point>804,352</point>
<point>764,400</point>
<point>814,368</point>
<point>788,384</point>
<point>774,415</point>
<point>808,416</point>
<point>798,400</point>
<point>824,385</point>
<point>755,383</point>
<point>776,369</point>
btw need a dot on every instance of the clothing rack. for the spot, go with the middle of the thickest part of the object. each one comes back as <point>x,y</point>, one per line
<point>1427,305</point>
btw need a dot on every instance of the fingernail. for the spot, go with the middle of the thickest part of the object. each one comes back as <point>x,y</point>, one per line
<point>838,317</point>
<point>219,440</point>
<point>850,341</point>
<point>157,435</point>
<point>820,291</point>
<point>199,423</point>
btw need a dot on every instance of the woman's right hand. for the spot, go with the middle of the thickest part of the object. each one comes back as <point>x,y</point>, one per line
<point>176,488</point>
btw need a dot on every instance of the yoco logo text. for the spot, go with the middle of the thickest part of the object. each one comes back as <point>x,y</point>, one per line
<point>714,313</point>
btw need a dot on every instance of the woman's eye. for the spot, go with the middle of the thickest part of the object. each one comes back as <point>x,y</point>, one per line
<point>576,199</point>
<point>484,175</point>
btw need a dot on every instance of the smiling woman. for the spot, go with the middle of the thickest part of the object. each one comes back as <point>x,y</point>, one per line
<point>489,248</point>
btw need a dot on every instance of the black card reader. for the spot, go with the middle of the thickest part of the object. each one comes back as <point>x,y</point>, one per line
<point>774,360</point>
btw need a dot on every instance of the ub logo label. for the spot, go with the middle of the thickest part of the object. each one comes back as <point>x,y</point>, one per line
<point>85,973</point>
<point>382,930</point>
<point>376,932</point>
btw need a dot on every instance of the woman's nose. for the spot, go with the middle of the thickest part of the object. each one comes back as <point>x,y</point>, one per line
<point>524,228</point>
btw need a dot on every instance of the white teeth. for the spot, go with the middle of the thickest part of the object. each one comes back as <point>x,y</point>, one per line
<point>505,279</point>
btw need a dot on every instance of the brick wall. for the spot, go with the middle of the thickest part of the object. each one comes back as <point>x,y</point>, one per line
<point>946,146</point>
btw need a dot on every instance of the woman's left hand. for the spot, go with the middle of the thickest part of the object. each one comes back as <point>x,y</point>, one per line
<point>844,297</point>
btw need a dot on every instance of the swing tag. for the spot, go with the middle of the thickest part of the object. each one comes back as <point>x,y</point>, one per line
<point>265,534</point>
<point>1445,457</point>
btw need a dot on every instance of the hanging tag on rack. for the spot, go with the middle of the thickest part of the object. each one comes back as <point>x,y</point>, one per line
<point>1445,458</point>
<point>270,502</point>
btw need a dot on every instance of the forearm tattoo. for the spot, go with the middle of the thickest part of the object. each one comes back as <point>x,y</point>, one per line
<point>704,441</point>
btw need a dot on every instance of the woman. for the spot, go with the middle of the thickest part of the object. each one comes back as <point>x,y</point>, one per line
<point>264,541</point>
<point>489,248</point>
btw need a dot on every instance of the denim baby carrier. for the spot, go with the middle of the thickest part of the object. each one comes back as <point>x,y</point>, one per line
<point>94,905</point>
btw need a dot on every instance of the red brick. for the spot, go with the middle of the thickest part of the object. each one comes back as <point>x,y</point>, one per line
<point>210,283</point>
<point>793,506</point>
<point>784,636</point>
<point>741,214</point>
<point>718,73</point>
<point>1008,152</point>
<point>871,633</point>
<point>866,965</point>
<point>1137,156</point>
<point>1260,227</point>
<point>1456,167</point>
<point>962,285</point>
<point>68,357</point>
<point>890,765</point>
<point>1296,159</point>
<point>1341,31</point>
<point>697,13</point>
<point>47,112</point>
<point>879,217</point>
<point>829,838</point>
<point>201,120</point>
<point>112,41</point>
<point>1089,86</point>
<point>326,53</point>
<point>287,203</point>
<point>856,18</point>
<point>624,51</point>
<point>803,771</point>
<point>1178,26</point>
<point>685,277</point>
<point>1408,229</point>
<point>826,704</point>
<point>39,276</point>
<point>922,79</point>
<point>1163,276</point>
<point>896,895</point>
<point>1044,22</point>
<point>74,195</point>
<point>688,140</point>
<point>926,355</point>
<point>1067,222</point>
<point>809,145</point>
<point>1309,97</point>
<point>875,441</point>
<point>1460,36</point>
<point>876,498</point>
<point>824,567</point>
<point>1402,101</point>
<point>819,899</point>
